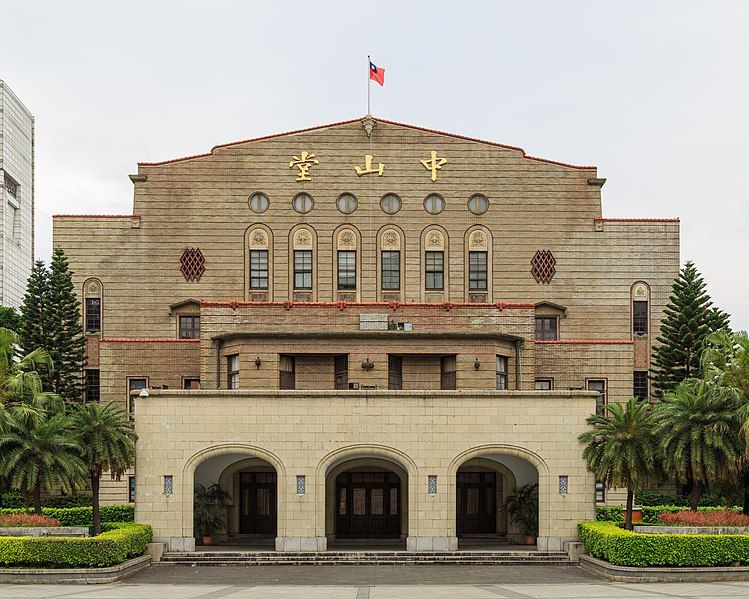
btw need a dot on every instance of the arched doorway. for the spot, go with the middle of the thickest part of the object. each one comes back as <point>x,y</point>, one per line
<point>253,480</point>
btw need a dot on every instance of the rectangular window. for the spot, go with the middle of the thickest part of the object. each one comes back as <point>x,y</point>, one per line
<point>287,372</point>
<point>546,328</point>
<point>434,271</point>
<point>303,269</point>
<point>259,269</point>
<point>600,493</point>
<point>502,364</point>
<point>93,314</point>
<point>346,270</point>
<point>189,327</point>
<point>191,383</point>
<point>232,371</point>
<point>448,366</point>
<point>340,372</point>
<point>601,401</point>
<point>544,384</point>
<point>477,279</point>
<point>395,372</point>
<point>131,489</point>
<point>134,386</point>
<point>640,384</point>
<point>92,385</point>
<point>391,270</point>
<point>639,317</point>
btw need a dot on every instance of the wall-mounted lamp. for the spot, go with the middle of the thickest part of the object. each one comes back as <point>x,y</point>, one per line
<point>143,392</point>
<point>258,361</point>
<point>367,365</point>
<point>477,364</point>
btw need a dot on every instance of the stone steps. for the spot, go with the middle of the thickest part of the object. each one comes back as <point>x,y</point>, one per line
<point>268,558</point>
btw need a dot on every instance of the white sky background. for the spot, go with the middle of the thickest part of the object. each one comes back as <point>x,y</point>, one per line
<point>656,94</point>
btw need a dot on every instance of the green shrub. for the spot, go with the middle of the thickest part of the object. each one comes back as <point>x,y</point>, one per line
<point>609,513</point>
<point>14,499</point>
<point>122,541</point>
<point>83,516</point>
<point>608,541</point>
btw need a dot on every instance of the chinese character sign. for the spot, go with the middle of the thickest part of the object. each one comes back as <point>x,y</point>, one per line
<point>303,162</point>
<point>434,164</point>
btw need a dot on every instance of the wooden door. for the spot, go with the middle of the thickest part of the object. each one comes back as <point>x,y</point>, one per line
<point>258,515</point>
<point>476,501</point>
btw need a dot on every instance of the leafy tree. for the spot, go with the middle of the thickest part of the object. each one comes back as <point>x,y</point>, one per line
<point>65,342</point>
<point>689,319</point>
<point>39,453</point>
<point>621,448</point>
<point>696,426</point>
<point>10,319</point>
<point>106,442</point>
<point>35,324</point>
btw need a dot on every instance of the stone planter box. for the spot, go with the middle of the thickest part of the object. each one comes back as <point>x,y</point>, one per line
<point>693,530</point>
<point>44,531</point>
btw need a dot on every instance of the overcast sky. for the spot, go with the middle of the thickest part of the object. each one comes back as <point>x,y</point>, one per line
<point>656,94</point>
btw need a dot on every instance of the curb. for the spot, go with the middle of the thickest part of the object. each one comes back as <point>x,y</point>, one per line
<point>75,575</point>
<point>604,569</point>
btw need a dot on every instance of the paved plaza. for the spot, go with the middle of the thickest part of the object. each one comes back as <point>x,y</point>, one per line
<point>372,582</point>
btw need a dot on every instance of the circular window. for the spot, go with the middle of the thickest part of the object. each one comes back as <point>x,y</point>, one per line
<point>434,204</point>
<point>303,203</point>
<point>347,203</point>
<point>478,204</point>
<point>390,203</point>
<point>259,202</point>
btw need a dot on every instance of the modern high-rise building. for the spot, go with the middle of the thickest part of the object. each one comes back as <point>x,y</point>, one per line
<point>17,173</point>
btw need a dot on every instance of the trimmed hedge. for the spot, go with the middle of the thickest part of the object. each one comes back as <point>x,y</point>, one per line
<point>83,516</point>
<point>13,499</point>
<point>608,541</point>
<point>122,541</point>
<point>650,513</point>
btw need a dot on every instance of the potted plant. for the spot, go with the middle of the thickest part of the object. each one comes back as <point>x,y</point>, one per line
<point>522,508</point>
<point>208,501</point>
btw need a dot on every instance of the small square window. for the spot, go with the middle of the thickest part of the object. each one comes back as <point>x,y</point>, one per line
<point>544,384</point>
<point>600,493</point>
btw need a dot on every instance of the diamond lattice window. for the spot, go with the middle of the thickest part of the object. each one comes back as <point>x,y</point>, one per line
<point>193,264</point>
<point>543,264</point>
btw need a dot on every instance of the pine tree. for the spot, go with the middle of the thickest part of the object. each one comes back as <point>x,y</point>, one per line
<point>64,341</point>
<point>690,318</point>
<point>35,315</point>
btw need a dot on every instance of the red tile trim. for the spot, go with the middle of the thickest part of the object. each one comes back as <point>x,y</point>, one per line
<point>96,216</point>
<point>147,340</point>
<point>342,305</point>
<point>637,220</point>
<point>348,122</point>
<point>587,342</point>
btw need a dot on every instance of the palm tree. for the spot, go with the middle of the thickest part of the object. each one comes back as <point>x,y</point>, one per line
<point>106,442</point>
<point>698,432</point>
<point>39,453</point>
<point>621,449</point>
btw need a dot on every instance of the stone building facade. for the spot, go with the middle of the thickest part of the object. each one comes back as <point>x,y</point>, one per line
<point>366,329</point>
<point>17,205</point>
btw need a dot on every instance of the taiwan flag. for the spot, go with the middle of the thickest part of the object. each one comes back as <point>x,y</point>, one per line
<point>376,73</point>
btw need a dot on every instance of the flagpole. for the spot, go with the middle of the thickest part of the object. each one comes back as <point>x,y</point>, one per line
<point>369,85</point>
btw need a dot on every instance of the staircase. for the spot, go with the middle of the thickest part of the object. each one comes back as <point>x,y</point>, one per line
<point>365,558</point>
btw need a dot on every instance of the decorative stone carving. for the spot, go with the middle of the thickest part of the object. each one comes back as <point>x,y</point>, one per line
<point>92,289</point>
<point>640,292</point>
<point>347,239</point>
<point>477,241</point>
<point>258,239</point>
<point>435,241</point>
<point>391,240</point>
<point>303,239</point>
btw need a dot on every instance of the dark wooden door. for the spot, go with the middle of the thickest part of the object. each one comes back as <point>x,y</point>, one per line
<point>258,513</point>
<point>476,503</point>
<point>340,372</point>
<point>395,372</point>
<point>368,505</point>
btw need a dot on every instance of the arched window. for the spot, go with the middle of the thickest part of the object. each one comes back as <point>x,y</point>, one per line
<point>259,264</point>
<point>478,264</point>
<point>303,266</point>
<point>390,263</point>
<point>346,261</point>
<point>92,306</point>
<point>640,297</point>
<point>435,264</point>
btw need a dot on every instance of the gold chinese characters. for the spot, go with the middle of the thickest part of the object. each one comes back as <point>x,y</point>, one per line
<point>303,162</point>
<point>434,164</point>
<point>368,168</point>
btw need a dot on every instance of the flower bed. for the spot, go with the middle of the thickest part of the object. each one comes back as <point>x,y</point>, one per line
<point>27,520</point>
<point>83,516</point>
<point>704,518</point>
<point>120,542</point>
<point>608,541</point>
<point>650,513</point>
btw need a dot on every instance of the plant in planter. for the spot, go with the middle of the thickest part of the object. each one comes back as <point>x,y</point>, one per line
<point>208,502</point>
<point>522,508</point>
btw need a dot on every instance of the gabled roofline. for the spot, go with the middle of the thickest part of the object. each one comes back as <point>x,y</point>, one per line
<point>356,120</point>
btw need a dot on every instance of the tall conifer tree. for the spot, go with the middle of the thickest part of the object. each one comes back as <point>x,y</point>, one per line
<point>690,318</point>
<point>65,342</point>
<point>35,310</point>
